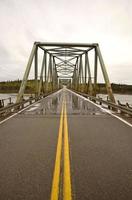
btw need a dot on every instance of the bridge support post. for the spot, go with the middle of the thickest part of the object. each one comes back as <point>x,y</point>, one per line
<point>82,77</point>
<point>89,86</point>
<point>26,74</point>
<point>36,71</point>
<point>45,72</point>
<point>85,90</point>
<point>79,72</point>
<point>49,78</point>
<point>55,75</point>
<point>95,70</point>
<point>106,78</point>
<point>53,72</point>
<point>41,75</point>
<point>76,75</point>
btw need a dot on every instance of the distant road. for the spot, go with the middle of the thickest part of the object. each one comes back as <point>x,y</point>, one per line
<point>65,147</point>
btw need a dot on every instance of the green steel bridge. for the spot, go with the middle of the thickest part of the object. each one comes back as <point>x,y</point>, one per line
<point>65,142</point>
<point>65,63</point>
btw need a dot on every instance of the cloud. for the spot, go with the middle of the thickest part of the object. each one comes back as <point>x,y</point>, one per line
<point>106,22</point>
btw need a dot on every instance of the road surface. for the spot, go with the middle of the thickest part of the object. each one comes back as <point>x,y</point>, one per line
<point>65,147</point>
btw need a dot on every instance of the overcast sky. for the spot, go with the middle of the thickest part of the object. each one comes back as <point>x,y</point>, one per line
<point>108,22</point>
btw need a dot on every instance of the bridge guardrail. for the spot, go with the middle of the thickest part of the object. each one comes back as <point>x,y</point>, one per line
<point>15,107</point>
<point>111,105</point>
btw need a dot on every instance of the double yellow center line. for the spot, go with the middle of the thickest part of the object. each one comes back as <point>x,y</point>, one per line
<point>62,143</point>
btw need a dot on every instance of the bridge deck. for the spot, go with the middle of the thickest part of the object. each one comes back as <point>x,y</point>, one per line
<point>100,151</point>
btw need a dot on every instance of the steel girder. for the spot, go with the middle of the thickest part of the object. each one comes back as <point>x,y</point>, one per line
<point>65,60</point>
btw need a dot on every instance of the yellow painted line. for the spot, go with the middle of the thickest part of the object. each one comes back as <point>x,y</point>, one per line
<point>67,192</point>
<point>56,175</point>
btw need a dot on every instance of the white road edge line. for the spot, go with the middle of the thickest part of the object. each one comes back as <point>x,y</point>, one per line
<point>28,107</point>
<point>107,111</point>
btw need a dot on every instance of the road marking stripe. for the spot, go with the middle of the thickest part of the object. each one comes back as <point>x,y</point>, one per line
<point>56,175</point>
<point>67,193</point>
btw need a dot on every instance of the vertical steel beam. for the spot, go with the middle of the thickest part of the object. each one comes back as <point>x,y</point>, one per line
<point>51,73</point>
<point>79,73</point>
<point>90,85</point>
<point>45,72</point>
<point>73,79</point>
<point>57,79</point>
<point>73,83</point>
<point>48,74</point>
<point>49,77</point>
<point>95,70</point>
<point>76,74</point>
<point>86,71</point>
<point>54,74</point>
<point>55,85</point>
<point>41,75</point>
<point>26,74</point>
<point>106,78</point>
<point>82,76</point>
<point>36,70</point>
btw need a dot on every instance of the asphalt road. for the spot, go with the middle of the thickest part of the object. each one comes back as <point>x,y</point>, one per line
<point>100,150</point>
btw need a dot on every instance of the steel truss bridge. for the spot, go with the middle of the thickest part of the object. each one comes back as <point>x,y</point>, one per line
<point>64,143</point>
<point>66,63</point>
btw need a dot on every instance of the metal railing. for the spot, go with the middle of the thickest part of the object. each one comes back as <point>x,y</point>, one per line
<point>112,106</point>
<point>6,101</point>
<point>16,107</point>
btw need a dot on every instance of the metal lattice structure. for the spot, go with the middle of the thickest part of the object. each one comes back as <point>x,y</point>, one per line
<point>66,63</point>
